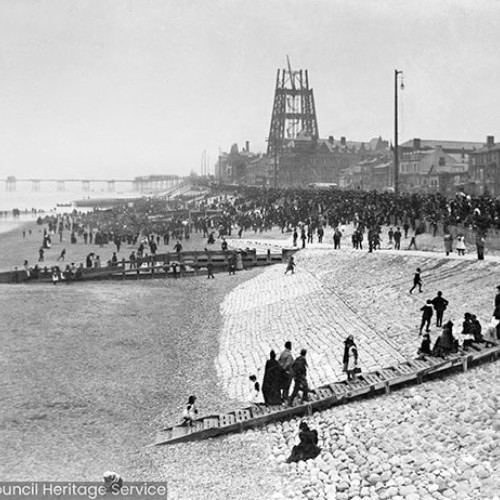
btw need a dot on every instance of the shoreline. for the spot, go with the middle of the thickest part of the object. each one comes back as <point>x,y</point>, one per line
<point>10,226</point>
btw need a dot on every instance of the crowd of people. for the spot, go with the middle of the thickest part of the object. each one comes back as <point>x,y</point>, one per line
<point>447,341</point>
<point>304,212</point>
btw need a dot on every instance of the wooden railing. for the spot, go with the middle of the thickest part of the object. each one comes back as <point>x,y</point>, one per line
<point>171,264</point>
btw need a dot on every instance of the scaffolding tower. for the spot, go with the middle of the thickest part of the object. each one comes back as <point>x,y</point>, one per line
<point>293,109</point>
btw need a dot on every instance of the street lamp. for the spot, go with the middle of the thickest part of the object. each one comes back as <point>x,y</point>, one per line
<point>397,75</point>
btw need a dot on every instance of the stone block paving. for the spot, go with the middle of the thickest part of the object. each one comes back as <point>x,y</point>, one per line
<point>318,306</point>
<point>264,312</point>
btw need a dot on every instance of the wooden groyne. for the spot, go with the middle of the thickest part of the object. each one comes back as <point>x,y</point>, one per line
<point>329,395</point>
<point>167,265</point>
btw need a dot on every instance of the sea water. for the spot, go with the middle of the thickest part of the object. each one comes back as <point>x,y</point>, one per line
<point>49,196</point>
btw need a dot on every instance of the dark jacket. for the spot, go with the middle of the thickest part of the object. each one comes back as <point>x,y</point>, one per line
<point>427,311</point>
<point>439,303</point>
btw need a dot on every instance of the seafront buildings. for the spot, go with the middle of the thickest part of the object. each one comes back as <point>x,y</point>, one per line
<point>297,155</point>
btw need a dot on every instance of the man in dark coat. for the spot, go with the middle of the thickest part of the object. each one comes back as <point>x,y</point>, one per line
<point>417,280</point>
<point>299,368</point>
<point>273,381</point>
<point>397,239</point>
<point>440,304</point>
<point>426,316</point>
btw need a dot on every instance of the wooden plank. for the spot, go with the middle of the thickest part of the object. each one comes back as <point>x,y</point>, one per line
<point>178,431</point>
<point>371,378</point>
<point>226,419</point>
<point>419,363</point>
<point>326,396</point>
<point>242,415</point>
<point>401,370</point>
<point>387,373</point>
<point>209,423</point>
<point>339,389</point>
<point>258,410</point>
<point>196,426</point>
<point>404,368</point>
<point>478,346</point>
<point>324,392</point>
<point>313,396</point>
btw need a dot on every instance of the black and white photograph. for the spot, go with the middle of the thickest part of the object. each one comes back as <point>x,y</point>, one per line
<point>250,250</point>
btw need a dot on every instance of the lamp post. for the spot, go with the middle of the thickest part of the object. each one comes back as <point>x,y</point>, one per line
<point>396,147</point>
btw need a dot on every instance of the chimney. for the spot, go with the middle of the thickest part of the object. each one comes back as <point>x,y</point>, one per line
<point>490,141</point>
<point>342,141</point>
<point>416,144</point>
<point>247,146</point>
<point>330,139</point>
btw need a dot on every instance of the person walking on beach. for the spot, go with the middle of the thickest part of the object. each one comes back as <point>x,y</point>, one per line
<point>417,281</point>
<point>337,236</point>
<point>391,235</point>
<point>448,243</point>
<point>210,269</point>
<point>350,359</point>
<point>321,233</point>
<point>440,304</point>
<point>273,381</point>
<point>413,241</point>
<point>480,247</point>
<point>295,236</point>
<point>397,239</point>
<point>291,265</point>
<point>40,254</point>
<point>133,260</point>
<point>426,316</point>
<point>461,244</point>
<point>178,247</point>
<point>299,369</point>
<point>303,237</point>
<point>406,227</point>
<point>286,362</point>
<point>62,256</point>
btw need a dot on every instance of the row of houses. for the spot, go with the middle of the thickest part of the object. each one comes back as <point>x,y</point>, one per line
<point>303,160</point>
<point>425,166</point>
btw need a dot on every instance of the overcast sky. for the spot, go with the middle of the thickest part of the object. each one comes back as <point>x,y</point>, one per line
<point>115,89</point>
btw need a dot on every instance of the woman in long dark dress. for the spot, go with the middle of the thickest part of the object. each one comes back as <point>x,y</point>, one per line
<point>308,446</point>
<point>273,381</point>
<point>445,343</point>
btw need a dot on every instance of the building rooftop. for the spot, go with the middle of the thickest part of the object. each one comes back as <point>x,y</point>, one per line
<point>485,149</point>
<point>433,143</point>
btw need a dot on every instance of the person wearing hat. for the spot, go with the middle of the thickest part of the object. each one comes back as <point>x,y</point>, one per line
<point>112,481</point>
<point>350,359</point>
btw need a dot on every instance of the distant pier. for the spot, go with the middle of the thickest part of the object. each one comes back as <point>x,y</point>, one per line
<point>143,184</point>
